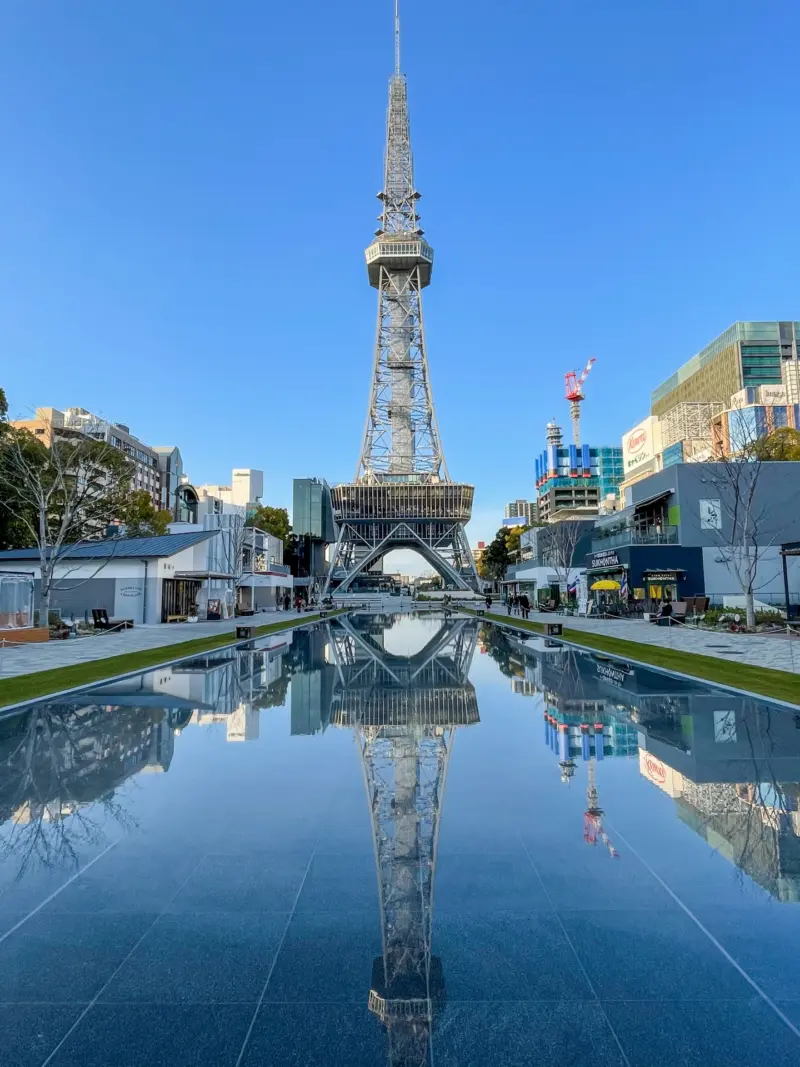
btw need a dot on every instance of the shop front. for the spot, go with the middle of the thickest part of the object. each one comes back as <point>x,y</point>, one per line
<point>645,576</point>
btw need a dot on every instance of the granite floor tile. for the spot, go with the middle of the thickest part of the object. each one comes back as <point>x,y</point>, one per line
<point>242,884</point>
<point>201,957</point>
<point>327,956</point>
<point>127,880</point>
<point>544,1033</point>
<point>763,942</point>
<point>585,877</point>
<point>486,884</point>
<point>703,1033</point>
<point>31,1031</point>
<point>507,956</point>
<point>66,957</point>
<point>341,883</point>
<point>316,1035</point>
<point>650,955</point>
<point>157,1035</point>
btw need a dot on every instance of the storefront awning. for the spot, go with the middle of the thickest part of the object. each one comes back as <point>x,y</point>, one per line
<point>614,569</point>
<point>652,499</point>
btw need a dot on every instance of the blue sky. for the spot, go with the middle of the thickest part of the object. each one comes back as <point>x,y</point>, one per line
<point>188,187</point>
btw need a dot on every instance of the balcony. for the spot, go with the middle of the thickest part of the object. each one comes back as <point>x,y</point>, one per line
<point>630,535</point>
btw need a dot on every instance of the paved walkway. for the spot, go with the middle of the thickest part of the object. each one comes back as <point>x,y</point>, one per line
<point>780,653</point>
<point>25,659</point>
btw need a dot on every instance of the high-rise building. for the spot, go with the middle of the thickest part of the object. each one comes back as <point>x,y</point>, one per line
<point>573,480</point>
<point>50,422</point>
<point>526,511</point>
<point>746,354</point>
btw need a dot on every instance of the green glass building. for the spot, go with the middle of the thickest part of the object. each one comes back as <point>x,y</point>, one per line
<point>746,354</point>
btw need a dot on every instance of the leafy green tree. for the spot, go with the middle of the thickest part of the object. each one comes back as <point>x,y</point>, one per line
<point>141,518</point>
<point>61,495</point>
<point>274,521</point>
<point>782,444</point>
<point>501,552</point>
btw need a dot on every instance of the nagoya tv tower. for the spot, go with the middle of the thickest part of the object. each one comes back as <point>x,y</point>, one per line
<point>402,495</point>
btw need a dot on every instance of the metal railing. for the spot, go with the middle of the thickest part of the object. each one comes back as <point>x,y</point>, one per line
<point>662,535</point>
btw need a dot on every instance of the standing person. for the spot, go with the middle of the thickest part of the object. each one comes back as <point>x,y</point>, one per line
<point>298,602</point>
<point>286,601</point>
<point>509,604</point>
<point>488,602</point>
<point>525,605</point>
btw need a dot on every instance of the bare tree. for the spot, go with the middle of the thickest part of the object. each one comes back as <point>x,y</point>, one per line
<point>560,550</point>
<point>227,550</point>
<point>61,495</point>
<point>736,514</point>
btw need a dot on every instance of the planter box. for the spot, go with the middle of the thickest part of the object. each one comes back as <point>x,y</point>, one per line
<point>31,635</point>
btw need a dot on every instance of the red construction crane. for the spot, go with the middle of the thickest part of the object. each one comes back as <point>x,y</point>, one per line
<point>574,393</point>
<point>593,816</point>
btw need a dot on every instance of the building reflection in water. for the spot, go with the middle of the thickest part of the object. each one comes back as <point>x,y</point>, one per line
<point>730,762</point>
<point>62,764</point>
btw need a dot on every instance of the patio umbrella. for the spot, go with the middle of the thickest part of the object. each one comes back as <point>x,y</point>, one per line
<point>605,583</point>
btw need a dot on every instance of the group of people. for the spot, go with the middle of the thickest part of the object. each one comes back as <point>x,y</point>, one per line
<point>285,602</point>
<point>519,605</point>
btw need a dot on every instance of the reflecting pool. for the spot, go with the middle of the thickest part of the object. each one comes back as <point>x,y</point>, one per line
<point>400,840</point>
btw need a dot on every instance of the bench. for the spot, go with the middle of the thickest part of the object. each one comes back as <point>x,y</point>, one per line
<point>177,618</point>
<point>102,621</point>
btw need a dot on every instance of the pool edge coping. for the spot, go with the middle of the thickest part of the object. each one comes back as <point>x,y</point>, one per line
<point>642,663</point>
<point>293,624</point>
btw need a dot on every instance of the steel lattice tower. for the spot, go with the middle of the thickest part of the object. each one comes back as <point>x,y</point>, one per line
<point>402,495</point>
<point>405,712</point>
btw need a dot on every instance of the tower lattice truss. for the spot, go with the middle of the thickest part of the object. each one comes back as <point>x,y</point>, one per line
<point>402,495</point>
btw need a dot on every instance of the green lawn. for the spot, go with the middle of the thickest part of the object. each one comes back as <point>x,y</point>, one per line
<point>781,685</point>
<point>40,683</point>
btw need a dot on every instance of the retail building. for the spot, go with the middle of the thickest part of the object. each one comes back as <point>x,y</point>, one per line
<point>675,539</point>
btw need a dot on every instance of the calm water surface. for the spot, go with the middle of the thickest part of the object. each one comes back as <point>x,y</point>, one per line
<point>400,841</point>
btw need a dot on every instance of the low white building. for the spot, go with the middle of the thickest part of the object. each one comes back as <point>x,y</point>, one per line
<point>145,579</point>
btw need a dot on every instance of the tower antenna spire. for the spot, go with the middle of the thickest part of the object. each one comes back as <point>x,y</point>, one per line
<point>397,36</point>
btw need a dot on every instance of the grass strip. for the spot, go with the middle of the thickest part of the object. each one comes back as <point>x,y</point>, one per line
<point>41,683</point>
<point>780,685</point>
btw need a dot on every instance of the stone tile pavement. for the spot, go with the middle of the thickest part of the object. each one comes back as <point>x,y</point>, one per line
<point>25,659</point>
<point>778,652</point>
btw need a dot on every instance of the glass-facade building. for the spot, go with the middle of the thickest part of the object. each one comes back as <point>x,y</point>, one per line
<point>312,515</point>
<point>576,477</point>
<point>747,354</point>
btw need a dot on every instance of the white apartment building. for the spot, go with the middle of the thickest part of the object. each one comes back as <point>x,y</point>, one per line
<point>49,421</point>
<point>246,487</point>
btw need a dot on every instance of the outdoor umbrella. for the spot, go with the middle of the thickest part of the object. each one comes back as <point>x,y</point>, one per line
<point>605,583</point>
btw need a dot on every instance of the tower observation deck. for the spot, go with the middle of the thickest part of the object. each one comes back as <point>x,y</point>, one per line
<point>402,495</point>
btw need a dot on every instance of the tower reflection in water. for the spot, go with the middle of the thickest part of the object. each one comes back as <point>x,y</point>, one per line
<point>405,710</point>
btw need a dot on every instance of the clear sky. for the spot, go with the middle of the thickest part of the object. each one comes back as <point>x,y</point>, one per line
<point>188,186</point>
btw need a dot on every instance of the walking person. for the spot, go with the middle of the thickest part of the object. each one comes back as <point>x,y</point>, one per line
<point>286,601</point>
<point>488,602</point>
<point>525,605</point>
